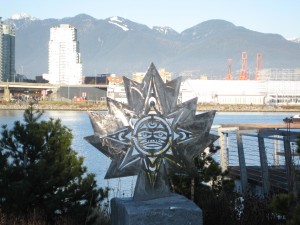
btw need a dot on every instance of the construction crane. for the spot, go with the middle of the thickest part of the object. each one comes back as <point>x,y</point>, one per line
<point>229,76</point>
<point>243,73</point>
<point>258,66</point>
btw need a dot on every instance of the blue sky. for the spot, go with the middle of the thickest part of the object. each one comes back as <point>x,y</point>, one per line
<point>266,16</point>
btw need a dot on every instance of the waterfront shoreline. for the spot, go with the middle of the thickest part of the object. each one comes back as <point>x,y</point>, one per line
<point>248,108</point>
<point>200,107</point>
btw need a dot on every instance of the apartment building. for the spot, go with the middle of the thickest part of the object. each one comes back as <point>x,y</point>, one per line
<point>7,53</point>
<point>64,65</point>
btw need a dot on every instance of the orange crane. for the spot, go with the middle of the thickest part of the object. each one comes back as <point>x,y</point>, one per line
<point>258,67</point>
<point>243,72</point>
<point>229,76</point>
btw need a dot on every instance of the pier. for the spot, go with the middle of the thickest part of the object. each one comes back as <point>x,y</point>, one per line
<point>261,158</point>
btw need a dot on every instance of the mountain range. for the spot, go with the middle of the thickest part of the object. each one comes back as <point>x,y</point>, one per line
<point>120,46</point>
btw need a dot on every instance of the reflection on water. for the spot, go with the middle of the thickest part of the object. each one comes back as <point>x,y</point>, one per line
<point>9,116</point>
<point>97,163</point>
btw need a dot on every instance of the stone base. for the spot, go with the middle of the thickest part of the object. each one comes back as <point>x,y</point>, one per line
<point>173,210</point>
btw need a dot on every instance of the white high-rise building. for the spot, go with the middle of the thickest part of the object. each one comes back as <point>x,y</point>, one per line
<point>64,58</point>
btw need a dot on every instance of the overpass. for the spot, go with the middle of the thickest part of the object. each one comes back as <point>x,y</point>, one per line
<point>45,86</point>
<point>15,88</point>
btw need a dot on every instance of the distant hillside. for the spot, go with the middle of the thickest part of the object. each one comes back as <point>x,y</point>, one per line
<point>117,45</point>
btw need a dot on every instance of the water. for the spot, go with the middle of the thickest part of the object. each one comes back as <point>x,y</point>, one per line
<point>97,163</point>
<point>251,117</point>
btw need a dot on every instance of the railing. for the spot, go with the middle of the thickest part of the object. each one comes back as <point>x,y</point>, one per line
<point>261,156</point>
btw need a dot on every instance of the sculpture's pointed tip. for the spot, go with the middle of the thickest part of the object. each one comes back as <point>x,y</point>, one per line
<point>152,65</point>
<point>152,70</point>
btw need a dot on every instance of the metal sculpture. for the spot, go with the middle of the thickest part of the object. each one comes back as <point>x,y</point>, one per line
<point>151,132</point>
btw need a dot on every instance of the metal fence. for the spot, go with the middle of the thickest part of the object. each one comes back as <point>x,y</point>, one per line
<point>262,158</point>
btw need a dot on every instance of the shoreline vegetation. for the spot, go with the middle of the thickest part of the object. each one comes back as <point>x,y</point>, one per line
<point>101,106</point>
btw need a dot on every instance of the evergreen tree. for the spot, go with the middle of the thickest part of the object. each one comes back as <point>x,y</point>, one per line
<point>213,191</point>
<point>205,176</point>
<point>40,171</point>
<point>208,187</point>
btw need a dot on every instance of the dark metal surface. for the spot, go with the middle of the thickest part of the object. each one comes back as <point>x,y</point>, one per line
<point>151,132</point>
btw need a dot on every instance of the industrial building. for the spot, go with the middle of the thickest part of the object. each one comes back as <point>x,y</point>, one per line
<point>269,87</point>
<point>246,92</point>
<point>81,93</point>
<point>165,75</point>
<point>256,92</point>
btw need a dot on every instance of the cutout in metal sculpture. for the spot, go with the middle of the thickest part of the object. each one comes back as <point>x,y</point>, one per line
<point>151,132</point>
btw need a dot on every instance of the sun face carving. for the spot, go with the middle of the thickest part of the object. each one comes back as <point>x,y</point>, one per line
<point>152,136</point>
<point>150,139</point>
<point>150,133</point>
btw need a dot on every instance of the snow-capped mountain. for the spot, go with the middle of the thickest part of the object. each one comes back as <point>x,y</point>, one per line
<point>121,46</point>
<point>119,22</point>
<point>295,39</point>
<point>163,30</point>
<point>21,20</point>
<point>22,16</point>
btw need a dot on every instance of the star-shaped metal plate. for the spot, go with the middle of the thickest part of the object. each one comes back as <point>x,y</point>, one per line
<point>151,132</point>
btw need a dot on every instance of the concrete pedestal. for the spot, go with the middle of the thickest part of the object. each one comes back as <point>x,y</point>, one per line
<point>173,210</point>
